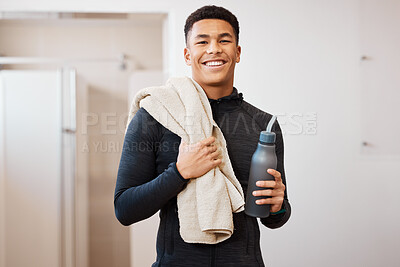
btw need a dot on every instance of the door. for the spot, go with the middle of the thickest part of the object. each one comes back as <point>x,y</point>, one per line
<point>36,175</point>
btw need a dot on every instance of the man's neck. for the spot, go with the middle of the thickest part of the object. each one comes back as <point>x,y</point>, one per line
<point>216,92</point>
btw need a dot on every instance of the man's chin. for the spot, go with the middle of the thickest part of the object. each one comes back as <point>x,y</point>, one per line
<point>213,81</point>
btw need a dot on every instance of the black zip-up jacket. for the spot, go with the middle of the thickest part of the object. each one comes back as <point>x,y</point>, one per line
<point>148,181</point>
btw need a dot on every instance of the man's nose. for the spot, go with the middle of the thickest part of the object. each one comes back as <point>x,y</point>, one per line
<point>214,48</point>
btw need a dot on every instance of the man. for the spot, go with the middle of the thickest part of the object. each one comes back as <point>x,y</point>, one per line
<point>151,177</point>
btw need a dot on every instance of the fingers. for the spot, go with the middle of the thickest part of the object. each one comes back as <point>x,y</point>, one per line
<point>216,162</point>
<point>272,201</point>
<point>276,193</point>
<point>271,184</point>
<point>211,148</point>
<point>267,192</point>
<point>268,184</point>
<point>208,141</point>
<point>205,143</point>
<point>276,174</point>
<point>215,154</point>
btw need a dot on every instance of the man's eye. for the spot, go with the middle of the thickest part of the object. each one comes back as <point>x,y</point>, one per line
<point>225,41</point>
<point>202,42</point>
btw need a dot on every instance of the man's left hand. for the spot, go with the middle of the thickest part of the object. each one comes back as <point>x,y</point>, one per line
<point>276,191</point>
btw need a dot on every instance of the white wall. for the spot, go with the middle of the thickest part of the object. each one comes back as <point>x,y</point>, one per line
<point>302,57</point>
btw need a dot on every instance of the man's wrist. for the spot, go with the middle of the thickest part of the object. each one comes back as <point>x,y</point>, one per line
<point>282,210</point>
<point>278,212</point>
<point>173,165</point>
<point>182,173</point>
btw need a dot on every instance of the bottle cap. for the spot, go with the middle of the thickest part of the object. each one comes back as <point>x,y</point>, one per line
<point>267,137</point>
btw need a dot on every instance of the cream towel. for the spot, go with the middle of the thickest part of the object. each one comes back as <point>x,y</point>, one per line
<point>205,206</point>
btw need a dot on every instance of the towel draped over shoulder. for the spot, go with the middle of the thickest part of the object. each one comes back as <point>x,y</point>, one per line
<point>206,204</point>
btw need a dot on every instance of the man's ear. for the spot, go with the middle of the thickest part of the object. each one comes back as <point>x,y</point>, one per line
<point>186,55</point>
<point>238,52</point>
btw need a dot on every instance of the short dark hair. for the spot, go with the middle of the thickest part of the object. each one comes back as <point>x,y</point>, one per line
<point>212,12</point>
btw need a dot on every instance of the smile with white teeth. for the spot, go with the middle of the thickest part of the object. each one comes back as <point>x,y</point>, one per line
<point>214,63</point>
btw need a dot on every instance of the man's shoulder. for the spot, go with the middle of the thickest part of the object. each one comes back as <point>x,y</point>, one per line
<point>259,116</point>
<point>144,122</point>
<point>142,116</point>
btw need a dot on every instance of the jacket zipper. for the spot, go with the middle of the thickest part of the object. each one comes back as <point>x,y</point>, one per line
<point>217,109</point>
<point>213,248</point>
<point>214,108</point>
<point>215,115</point>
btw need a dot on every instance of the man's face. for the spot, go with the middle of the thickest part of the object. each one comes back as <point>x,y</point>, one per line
<point>212,52</point>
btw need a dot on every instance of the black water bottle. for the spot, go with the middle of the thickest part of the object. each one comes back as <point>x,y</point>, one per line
<point>264,158</point>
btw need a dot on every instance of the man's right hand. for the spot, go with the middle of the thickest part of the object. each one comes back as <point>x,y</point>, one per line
<point>197,159</point>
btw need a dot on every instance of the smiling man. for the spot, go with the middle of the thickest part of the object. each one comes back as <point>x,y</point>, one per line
<point>150,179</point>
<point>212,51</point>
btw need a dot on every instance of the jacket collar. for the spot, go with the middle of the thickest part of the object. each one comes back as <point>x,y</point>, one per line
<point>233,96</point>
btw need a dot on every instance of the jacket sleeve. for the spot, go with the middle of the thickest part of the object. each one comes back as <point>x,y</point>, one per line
<point>276,221</point>
<point>139,192</point>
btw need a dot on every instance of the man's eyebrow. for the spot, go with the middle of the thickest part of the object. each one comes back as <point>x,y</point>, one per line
<point>225,34</point>
<point>202,36</point>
